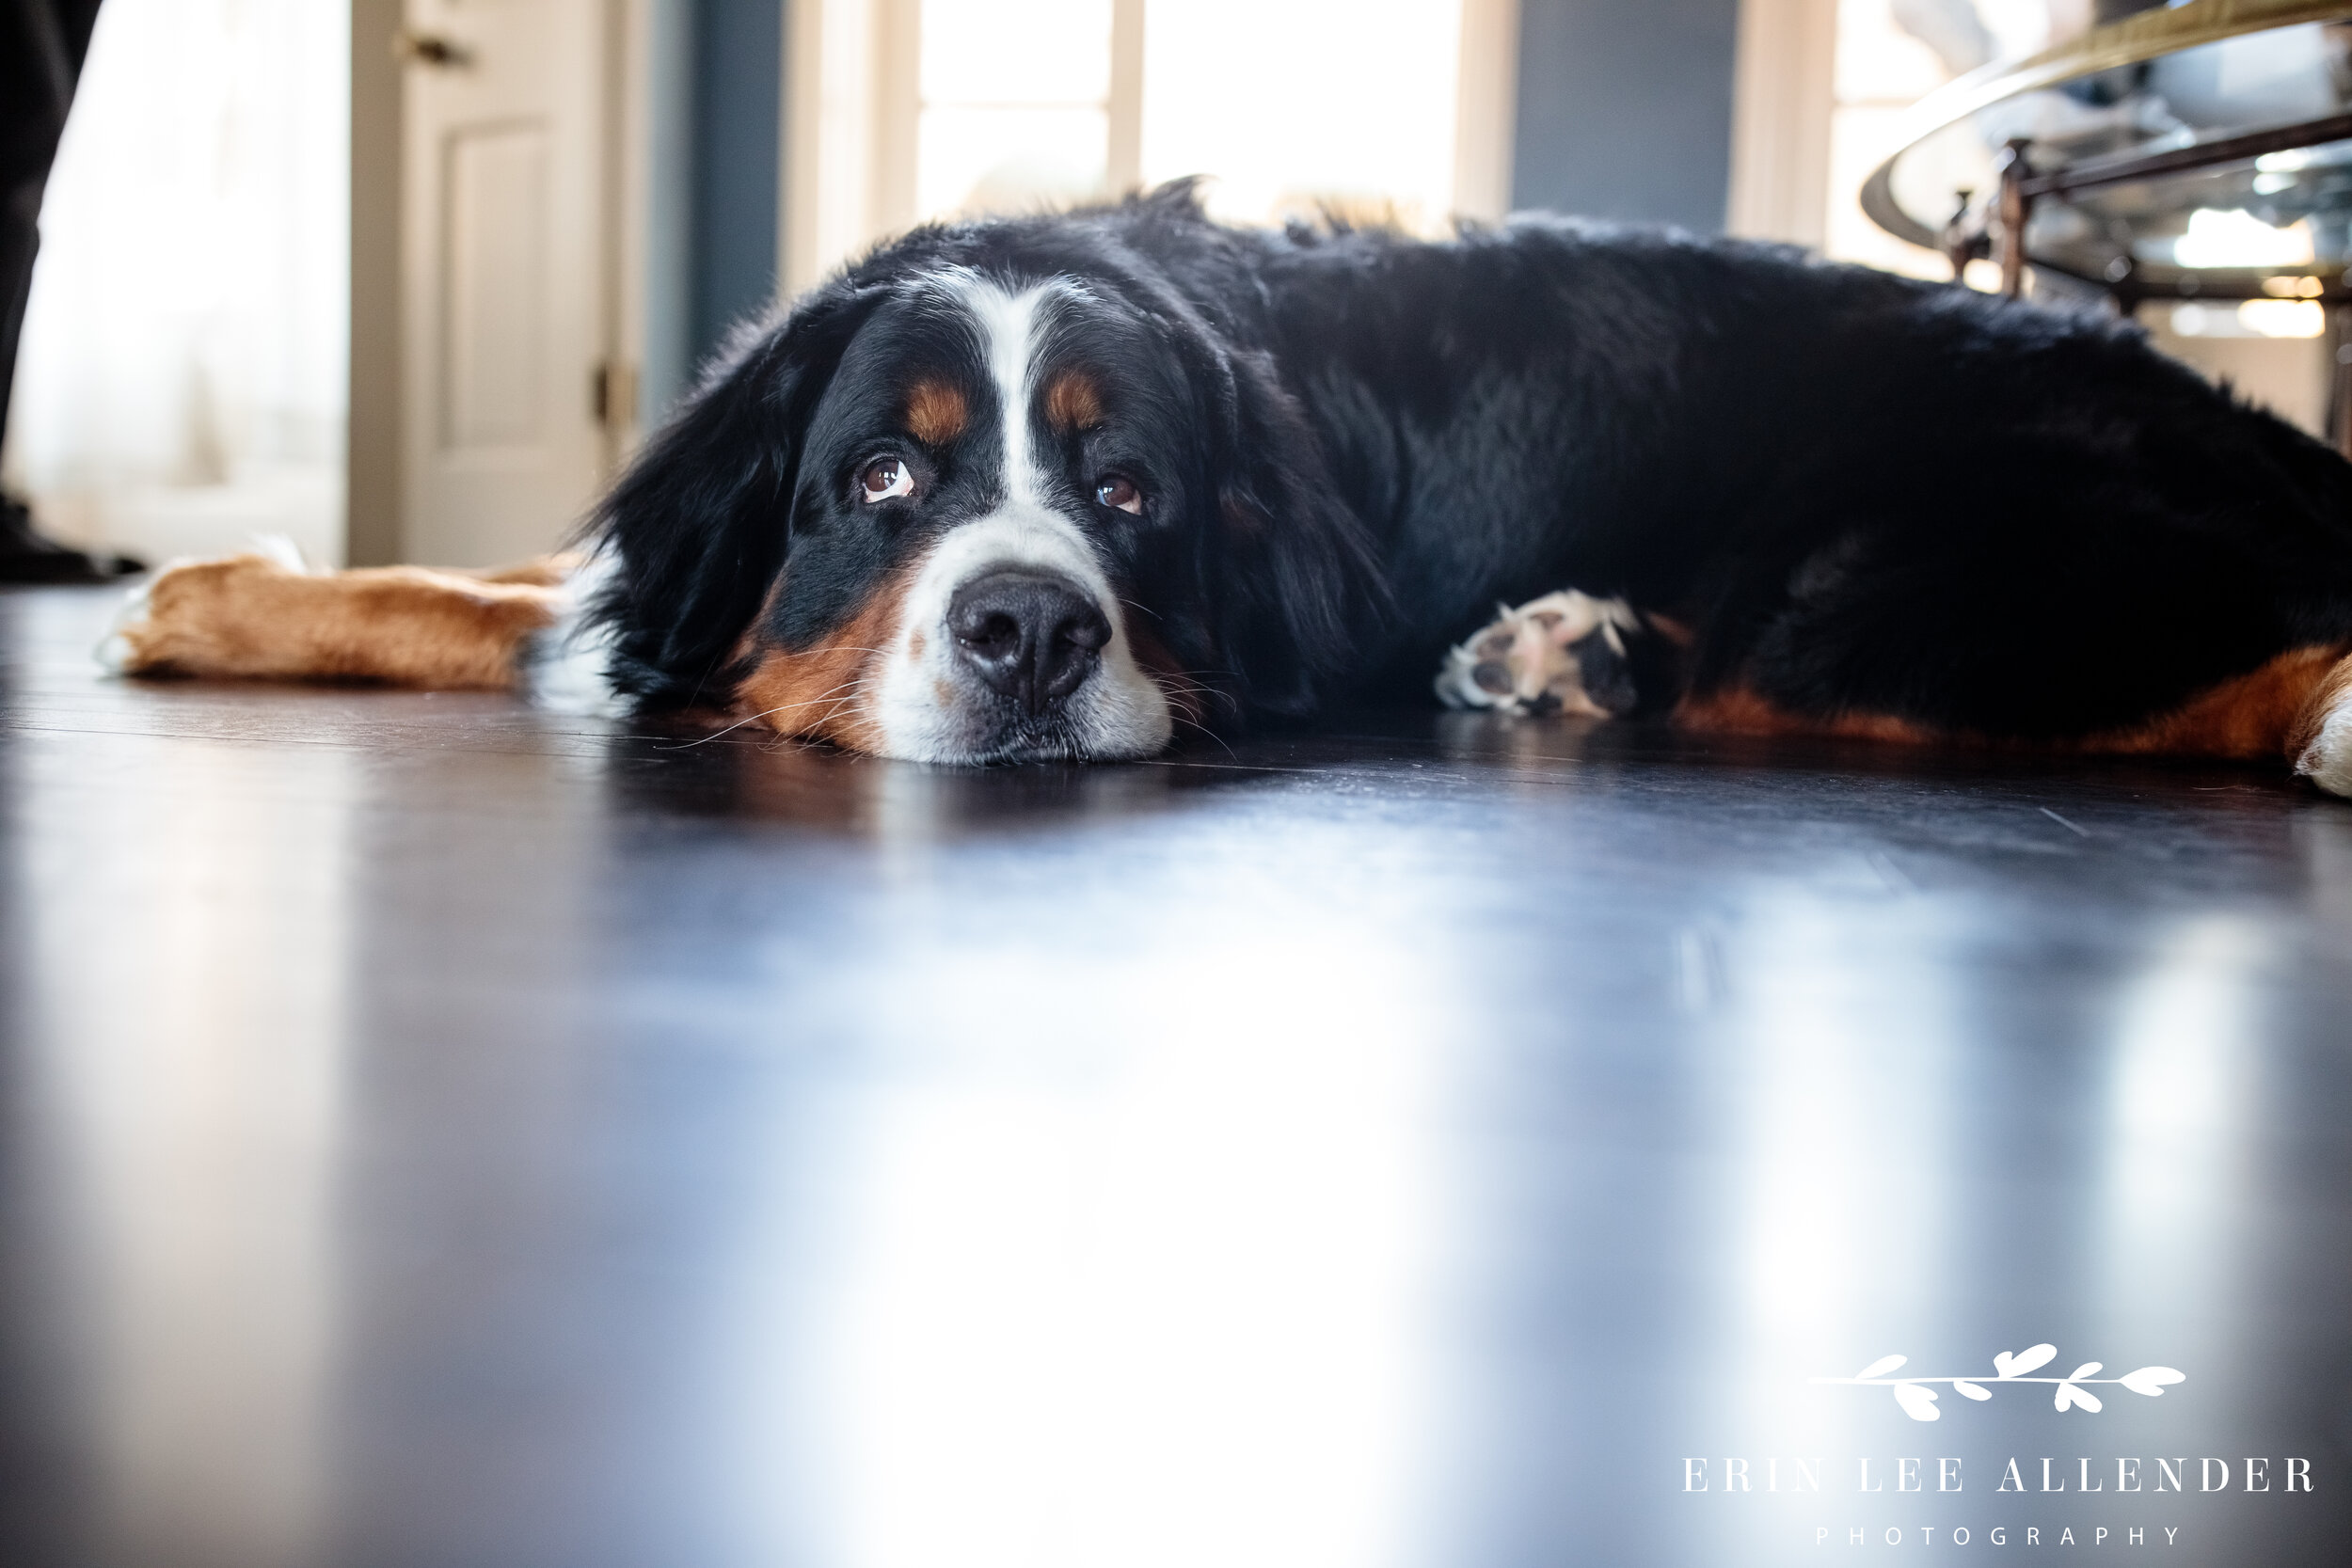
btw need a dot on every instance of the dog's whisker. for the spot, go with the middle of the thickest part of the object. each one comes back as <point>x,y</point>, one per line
<point>852,688</point>
<point>1194,724</point>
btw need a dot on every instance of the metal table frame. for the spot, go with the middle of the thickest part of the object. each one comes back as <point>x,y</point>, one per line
<point>1998,232</point>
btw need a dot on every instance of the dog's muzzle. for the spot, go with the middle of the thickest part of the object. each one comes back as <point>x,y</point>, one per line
<point>1010,648</point>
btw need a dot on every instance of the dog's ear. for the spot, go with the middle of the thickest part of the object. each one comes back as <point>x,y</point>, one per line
<point>699,522</point>
<point>1299,594</point>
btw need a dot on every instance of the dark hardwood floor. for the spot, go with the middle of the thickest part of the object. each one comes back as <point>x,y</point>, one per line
<point>434,1133</point>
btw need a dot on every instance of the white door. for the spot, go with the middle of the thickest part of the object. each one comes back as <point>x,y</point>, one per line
<point>506,274</point>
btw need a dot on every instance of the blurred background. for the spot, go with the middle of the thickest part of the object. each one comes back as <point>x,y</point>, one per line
<point>404,281</point>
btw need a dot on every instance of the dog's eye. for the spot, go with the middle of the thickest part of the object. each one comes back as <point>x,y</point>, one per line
<point>1119,491</point>
<point>886,476</point>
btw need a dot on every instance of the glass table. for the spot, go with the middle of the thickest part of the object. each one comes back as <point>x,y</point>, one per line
<point>2198,152</point>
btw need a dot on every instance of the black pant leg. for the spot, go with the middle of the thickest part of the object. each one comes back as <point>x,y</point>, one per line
<point>42,44</point>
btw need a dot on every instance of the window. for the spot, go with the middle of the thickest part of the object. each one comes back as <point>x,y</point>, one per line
<point>905,110</point>
<point>1290,102</point>
<point>1015,104</point>
<point>181,384</point>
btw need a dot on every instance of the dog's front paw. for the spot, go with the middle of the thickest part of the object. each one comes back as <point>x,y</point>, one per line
<point>1563,652</point>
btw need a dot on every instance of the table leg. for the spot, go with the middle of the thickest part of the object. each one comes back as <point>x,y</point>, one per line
<point>2011,213</point>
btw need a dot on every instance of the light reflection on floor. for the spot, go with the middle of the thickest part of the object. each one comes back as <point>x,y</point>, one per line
<point>1110,1305</point>
<point>197,1080</point>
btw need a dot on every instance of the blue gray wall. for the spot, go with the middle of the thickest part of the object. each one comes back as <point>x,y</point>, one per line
<point>716,77</point>
<point>739,50</point>
<point>1625,108</point>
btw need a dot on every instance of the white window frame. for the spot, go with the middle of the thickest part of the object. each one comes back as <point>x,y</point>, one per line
<point>1485,109</point>
<point>1784,91</point>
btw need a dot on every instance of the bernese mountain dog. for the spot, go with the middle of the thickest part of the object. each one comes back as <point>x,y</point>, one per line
<point>1061,485</point>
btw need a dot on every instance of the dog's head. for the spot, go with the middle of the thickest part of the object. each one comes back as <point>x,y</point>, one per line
<point>999,492</point>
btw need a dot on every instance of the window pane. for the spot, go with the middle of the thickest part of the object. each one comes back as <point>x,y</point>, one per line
<point>1009,160</point>
<point>1016,50</point>
<point>1287,100</point>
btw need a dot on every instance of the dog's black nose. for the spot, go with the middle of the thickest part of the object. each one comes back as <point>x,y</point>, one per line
<point>1030,635</point>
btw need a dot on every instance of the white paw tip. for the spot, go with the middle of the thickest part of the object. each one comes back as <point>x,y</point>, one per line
<point>115,652</point>
<point>2329,769</point>
<point>2328,760</point>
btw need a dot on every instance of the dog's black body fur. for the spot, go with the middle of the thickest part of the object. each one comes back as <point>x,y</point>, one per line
<point>1863,493</point>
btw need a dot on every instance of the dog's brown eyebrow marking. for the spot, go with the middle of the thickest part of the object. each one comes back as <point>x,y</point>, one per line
<point>1072,402</point>
<point>936,412</point>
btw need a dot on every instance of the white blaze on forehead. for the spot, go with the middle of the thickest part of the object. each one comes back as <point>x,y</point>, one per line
<point>1010,328</point>
<point>929,708</point>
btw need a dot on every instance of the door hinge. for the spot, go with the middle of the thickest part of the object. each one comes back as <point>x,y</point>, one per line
<point>612,394</point>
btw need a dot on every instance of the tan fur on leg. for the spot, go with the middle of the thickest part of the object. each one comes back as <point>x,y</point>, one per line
<point>540,571</point>
<point>249,617</point>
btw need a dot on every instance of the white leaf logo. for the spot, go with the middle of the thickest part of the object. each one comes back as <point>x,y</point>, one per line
<point>2151,1380</point>
<point>1918,1400</point>
<point>2023,1361</point>
<point>2068,1394</point>
<point>1918,1403</point>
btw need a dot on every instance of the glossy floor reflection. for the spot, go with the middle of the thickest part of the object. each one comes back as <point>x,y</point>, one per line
<point>436,1133</point>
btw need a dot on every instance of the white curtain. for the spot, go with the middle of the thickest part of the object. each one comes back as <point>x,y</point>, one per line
<point>181,384</point>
